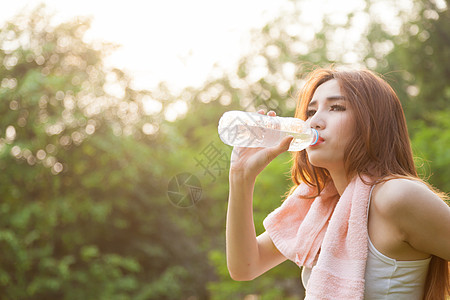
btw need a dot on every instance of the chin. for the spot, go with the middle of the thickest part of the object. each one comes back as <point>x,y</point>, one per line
<point>317,162</point>
<point>321,161</point>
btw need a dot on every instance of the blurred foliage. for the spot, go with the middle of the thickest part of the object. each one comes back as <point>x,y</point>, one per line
<point>84,212</point>
<point>420,69</point>
<point>86,160</point>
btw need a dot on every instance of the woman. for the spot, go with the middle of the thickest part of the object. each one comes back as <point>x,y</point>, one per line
<point>358,219</point>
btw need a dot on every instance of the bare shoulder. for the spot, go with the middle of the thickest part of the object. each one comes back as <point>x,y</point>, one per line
<point>420,216</point>
<point>400,195</point>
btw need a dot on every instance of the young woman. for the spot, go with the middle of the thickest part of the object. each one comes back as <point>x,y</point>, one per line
<point>358,219</point>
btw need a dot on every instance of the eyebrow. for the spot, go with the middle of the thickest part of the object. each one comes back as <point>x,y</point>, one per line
<point>331,98</point>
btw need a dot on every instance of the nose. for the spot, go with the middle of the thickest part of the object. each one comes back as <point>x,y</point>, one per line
<point>317,121</point>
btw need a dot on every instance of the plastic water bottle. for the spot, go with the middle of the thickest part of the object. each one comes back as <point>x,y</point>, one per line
<point>250,129</point>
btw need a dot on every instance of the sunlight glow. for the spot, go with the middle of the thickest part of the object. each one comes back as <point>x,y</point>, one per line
<point>40,154</point>
<point>183,43</point>
<point>179,42</point>
<point>150,129</point>
<point>10,133</point>
<point>175,110</point>
<point>151,106</point>
<point>174,41</point>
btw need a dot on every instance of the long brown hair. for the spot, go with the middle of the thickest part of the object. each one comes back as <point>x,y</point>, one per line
<point>380,147</point>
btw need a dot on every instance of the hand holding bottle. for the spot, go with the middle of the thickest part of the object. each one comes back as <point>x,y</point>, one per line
<point>249,162</point>
<point>252,130</point>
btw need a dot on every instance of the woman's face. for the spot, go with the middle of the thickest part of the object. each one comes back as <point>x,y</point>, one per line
<point>332,116</point>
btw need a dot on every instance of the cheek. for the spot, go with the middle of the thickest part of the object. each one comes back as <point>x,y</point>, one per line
<point>346,130</point>
<point>350,125</point>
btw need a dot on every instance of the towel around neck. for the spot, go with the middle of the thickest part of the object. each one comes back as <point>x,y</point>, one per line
<point>329,230</point>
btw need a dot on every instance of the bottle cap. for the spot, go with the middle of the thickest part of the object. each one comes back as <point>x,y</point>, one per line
<point>316,136</point>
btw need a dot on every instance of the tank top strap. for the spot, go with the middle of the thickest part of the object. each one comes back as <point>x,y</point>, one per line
<point>370,199</point>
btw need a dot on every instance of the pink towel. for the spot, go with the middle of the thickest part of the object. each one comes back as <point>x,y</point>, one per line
<point>329,230</point>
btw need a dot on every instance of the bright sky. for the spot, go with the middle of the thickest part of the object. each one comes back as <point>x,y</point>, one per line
<point>179,41</point>
<point>176,41</point>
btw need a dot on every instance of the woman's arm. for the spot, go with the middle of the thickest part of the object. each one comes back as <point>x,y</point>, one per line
<point>248,256</point>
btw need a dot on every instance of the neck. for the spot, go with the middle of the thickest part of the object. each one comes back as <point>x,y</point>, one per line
<point>340,180</point>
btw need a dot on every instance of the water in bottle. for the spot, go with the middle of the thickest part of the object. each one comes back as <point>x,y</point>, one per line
<point>248,129</point>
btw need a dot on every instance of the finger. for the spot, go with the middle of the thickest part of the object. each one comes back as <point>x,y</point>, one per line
<point>285,143</point>
<point>261,111</point>
<point>272,113</point>
<point>282,147</point>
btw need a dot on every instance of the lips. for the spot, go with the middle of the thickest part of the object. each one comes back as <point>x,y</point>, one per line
<point>320,140</point>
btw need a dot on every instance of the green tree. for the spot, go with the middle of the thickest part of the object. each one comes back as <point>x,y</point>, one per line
<point>84,211</point>
<point>418,66</point>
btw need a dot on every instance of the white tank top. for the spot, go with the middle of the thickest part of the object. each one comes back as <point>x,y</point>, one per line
<point>387,278</point>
